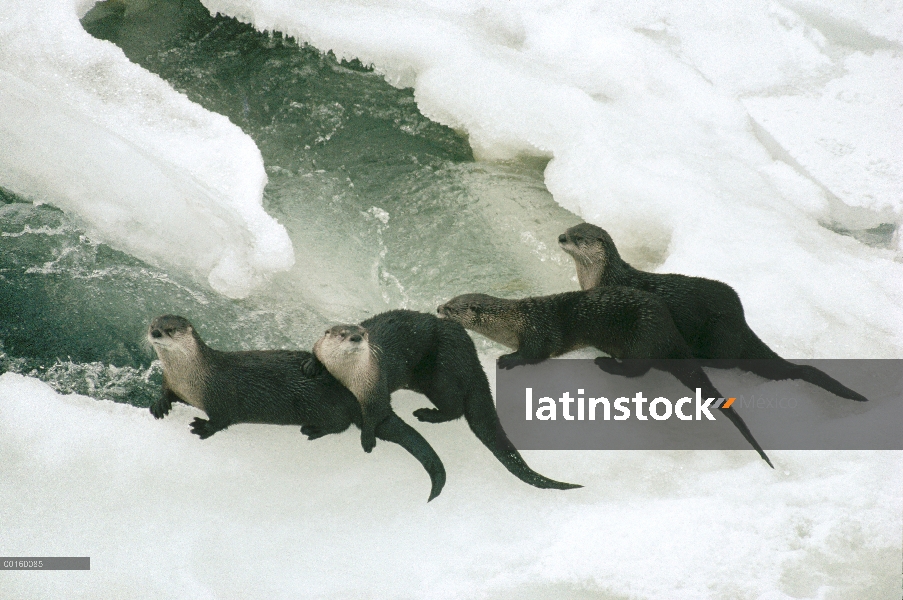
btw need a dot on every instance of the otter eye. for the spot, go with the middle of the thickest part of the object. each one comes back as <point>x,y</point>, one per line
<point>169,330</point>
<point>578,238</point>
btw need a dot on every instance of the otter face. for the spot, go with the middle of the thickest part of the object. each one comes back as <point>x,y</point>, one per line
<point>485,315</point>
<point>346,353</point>
<point>466,309</point>
<point>585,243</point>
<point>341,340</point>
<point>170,332</point>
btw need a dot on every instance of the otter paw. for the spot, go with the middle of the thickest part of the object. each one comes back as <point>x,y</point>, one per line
<point>312,432</point>
<point>312,367</point>
<point>506,362</point>
<point>630,368</point>
<point>432,415</point>
<point>200,428</point>
<point>368,441</point>
<point>160,409</point>
<point>509,361</point>
<point>610,365</point>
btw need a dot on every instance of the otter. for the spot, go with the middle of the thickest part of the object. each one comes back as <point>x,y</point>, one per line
<point>265,386</point>
<point>708,313</point>
<point>404,349</point>
<point>622,322</point>
<point>346,352</point>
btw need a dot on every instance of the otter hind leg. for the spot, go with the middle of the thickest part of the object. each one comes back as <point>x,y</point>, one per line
<point>313,431</point>
<point>204,428</point>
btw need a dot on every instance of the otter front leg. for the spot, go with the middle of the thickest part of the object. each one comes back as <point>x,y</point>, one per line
<point>312,366</point>
<point>630,368</point>
<point>374,409</point>
<point>368,430</point>
<point>533,349</point>
<point>516,359</point>
<point>161,407</point>
<point>204,428</point>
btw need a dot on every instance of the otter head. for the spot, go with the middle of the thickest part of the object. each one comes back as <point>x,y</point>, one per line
<point>467,309</point>
<point>345,352</point>
<point>487,315</point>
<point>341,341</point>
<point>592,250</point>
<point>171,335</point>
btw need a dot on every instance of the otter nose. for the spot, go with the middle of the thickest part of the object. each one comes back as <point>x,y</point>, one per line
<point>355,338</point>
<point>156,333</point>
<point>562,238</point>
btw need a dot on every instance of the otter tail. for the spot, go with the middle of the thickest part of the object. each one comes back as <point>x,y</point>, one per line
<point>481,416</point>
<point>779,369</point>
<point>740,424</point>
<point>692,376</point>
<point>393,429</point>
<point>775,368</point>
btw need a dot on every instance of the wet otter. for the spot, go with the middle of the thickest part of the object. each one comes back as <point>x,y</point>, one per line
<point>622,322</point>
<point>403,349</point>
<point>265,386</point>
<point>708,313</point>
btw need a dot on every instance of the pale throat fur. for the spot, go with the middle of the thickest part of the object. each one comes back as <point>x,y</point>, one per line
<point>187,369</point>
<point>356,366</point>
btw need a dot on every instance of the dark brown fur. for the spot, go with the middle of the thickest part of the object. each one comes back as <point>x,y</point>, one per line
<point>622,322</point>
<point>419,352</point>
<point>265,386</point>
<point>708,313</point>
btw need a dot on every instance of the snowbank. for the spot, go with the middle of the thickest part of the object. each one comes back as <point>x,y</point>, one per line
<point>257,511</point>
<point>143,168</point>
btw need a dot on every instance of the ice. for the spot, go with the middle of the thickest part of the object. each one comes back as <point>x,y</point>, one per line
<point>260,512</point>
<point>861,166</point>
<point>756,142</point>
<point>142,167</point>
<point>736,143</point>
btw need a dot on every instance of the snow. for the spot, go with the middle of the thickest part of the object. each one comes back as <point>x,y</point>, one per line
<point>257,511</point>
<point>142,168</point>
